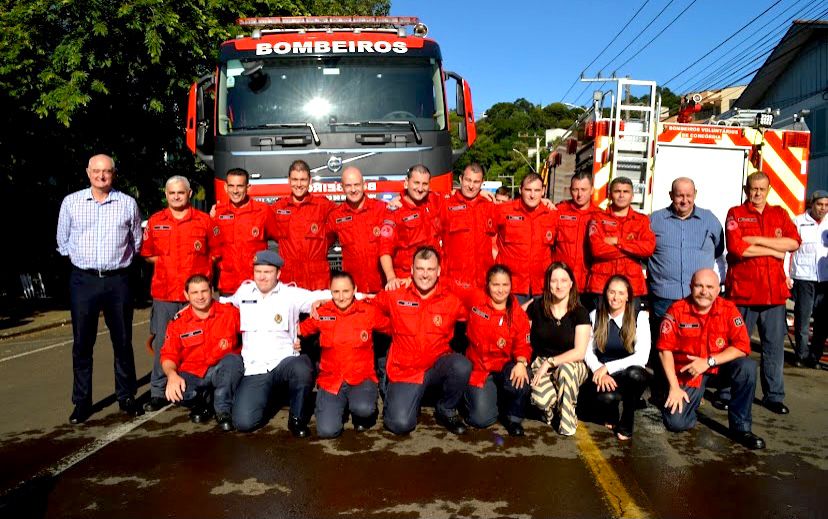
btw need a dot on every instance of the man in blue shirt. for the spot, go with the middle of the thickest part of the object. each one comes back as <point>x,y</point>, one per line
<point>688,238</point>
<point>99,228</point>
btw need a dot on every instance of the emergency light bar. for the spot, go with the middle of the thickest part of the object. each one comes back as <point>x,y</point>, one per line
<point>275,21</point>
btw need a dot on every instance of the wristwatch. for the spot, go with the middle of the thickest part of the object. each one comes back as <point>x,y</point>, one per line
<point>711,361</point>
<point>524,362</point>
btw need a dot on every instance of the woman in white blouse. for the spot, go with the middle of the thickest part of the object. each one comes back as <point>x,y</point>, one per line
<point>616,355</point>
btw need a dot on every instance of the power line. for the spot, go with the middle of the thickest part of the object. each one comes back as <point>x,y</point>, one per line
<point>623,26</point>
<point>659,33</point>
<point>718,45</point>
<point>727,70</point>
<point>639,35</point>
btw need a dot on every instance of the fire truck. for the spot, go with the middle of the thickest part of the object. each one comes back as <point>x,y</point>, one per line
<point>621,135</point>
<point>334,91</point>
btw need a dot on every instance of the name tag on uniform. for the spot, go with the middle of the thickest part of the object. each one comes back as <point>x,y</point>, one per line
<point>612,223</point>
<point>344,219</point>
<point>746,219</point>
<point>227,217</point>
<point>569,217</point>
<point>161,227</point>
<point>249,301</point>
<point>411,217</point>
<point>283,211</point>
<point>480,312</point>
<point>689,325</point>
<point>515,218</point>
<point>327,318</point>
<point>457,208</point>
<point>191,334</point>
<point>409,304</point>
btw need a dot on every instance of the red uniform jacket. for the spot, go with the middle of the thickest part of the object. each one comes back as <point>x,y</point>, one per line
<point>493,341</point>
<point>359,234</point>
<point>420,329</point>
<point>195,344</point>
<point>636,242</point>
<point>241,232</point>
<point>684,332</point>
<point>761,280</point>
<point>347,348</point>
<point>183,248</point>
<point>571,240</point>
<point>524,239</point>
<point>468,227</point>
<point>408,228</point>
<point>304,240</point>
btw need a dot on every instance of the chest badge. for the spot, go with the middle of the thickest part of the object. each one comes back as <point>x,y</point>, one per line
<point>720,342</point>
<point>501,343</point>
<point>197,245</point>
<point>215,231</point>
<point>548,235</point>
<point>630,237</point>
<point>255,232</point>
<point>224,344</point>
<point>314,228</point>
<point>437,320</point>
<point>278,318</point>
<point>376,231</point>
<point>364,336</point>
<point>778,232</point>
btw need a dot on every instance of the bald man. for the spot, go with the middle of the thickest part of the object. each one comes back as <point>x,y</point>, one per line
<point>704,336</point>
<point>99,229</point>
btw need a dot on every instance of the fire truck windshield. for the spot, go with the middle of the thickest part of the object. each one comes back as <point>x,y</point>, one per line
<point>257,95</point>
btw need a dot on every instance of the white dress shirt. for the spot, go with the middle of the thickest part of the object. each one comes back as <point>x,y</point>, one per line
<point>810,261</point>
<point>640,355</point>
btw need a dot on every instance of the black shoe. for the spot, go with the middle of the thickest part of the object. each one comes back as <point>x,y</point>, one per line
<point>810,363</point>
<point>720,404</point>
<point>363,424</point>
<point>798,363</point>
<point>200,414</point>
<point>155,403</point>
<point>130,407</point>
<point>453,423</point>
<point>80,414</point>
<point>776,407</point>
<point>225,421</point>
<point>298,427</point>
<point>514,428</point>
<point>749,440</point>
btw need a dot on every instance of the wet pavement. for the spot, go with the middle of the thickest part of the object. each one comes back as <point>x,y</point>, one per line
<point>161,465</point>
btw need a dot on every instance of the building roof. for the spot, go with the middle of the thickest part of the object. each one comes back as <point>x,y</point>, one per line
<point>800,33</point>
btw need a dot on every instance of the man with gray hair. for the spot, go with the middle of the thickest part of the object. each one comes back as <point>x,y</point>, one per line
<point>99,229</point>
<point>177,242</point>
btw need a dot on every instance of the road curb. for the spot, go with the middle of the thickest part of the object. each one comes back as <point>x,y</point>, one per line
<point>34,329</point>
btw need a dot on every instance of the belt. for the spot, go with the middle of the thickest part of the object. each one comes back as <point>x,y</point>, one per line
<point>103,273</point>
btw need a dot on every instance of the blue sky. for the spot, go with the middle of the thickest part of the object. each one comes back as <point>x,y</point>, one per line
<point>535,49</point>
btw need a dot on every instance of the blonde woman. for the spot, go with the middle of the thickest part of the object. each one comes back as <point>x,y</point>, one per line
<point>617,353</point>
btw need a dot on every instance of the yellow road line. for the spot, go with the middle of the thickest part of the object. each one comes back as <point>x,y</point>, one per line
<point>616,493</point>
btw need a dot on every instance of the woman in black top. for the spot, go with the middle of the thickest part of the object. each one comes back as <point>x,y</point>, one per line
<point>617,354</point>
<point>560,334</point>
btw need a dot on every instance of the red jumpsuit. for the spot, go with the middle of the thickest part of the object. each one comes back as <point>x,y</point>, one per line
<point>420,329</point>
<point>183,248</point>
<point>347,348</point>
<point>359,234</point>
<point>304,240</point>
<point>760,280</point>
<point>408,228</point>
<point>241,232</point>
<point>636,242</point>
<point>571,240</point>
<point>493,341</point>
<point>468,227</point>
<point>685,332</point>
<point>524,239</point>
<point>195,344</point>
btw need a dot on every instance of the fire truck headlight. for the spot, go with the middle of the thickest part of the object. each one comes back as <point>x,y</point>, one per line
<point>318,107</point>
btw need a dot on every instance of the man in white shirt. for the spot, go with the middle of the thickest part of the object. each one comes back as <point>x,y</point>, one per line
<point>269,312</point>
<point>807,271</point>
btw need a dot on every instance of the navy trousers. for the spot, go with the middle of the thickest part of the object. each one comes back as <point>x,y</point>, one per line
<point>497,397</point>
<point>361,401</point>
<point>255,392</point>
<point>222,378</point>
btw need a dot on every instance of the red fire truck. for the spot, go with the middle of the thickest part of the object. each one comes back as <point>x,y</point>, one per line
<point>334,91</point>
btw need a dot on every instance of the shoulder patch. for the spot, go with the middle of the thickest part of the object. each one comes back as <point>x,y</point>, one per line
<point>738,321</point>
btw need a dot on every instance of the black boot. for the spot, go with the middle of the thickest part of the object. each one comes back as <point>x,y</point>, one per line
<point>363,424</point>
<point>298,427</point>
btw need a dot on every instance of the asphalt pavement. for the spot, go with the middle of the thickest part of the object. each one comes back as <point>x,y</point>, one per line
<point>161,465</point>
